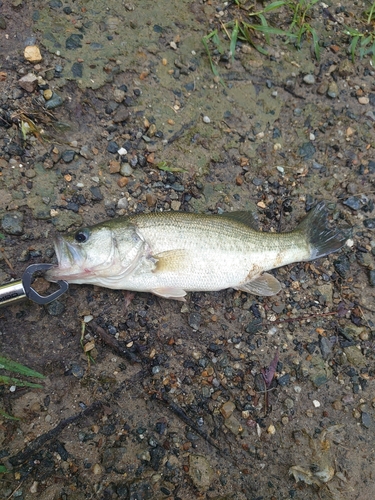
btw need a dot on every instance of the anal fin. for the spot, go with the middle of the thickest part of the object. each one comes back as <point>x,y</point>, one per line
<point>265,284</point>
<point>170,293</point>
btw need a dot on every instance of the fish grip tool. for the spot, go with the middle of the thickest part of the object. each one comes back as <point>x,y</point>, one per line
<point>18,290</point>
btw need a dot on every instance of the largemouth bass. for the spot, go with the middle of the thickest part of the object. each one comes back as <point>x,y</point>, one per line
<point>171,253</point>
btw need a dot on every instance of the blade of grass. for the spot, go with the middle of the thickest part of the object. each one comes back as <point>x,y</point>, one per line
<point>4,380</point>
<point>233,40</point>
<point>353,45</point>
<point>316,43</point>
<point>3,469</point>
<point>7,416</point>
<point>13,366</point>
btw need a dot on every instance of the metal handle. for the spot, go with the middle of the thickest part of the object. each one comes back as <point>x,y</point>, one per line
<point>11,293</point>
<point>15,291</point>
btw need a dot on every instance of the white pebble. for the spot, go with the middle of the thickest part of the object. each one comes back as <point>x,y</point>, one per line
<point>122,151</point>
<point>88,318</point>
<point>316,403</point>
<point>173,45</point>
<point>206,119</point>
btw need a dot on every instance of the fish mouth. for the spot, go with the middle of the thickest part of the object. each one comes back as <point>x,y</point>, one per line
<point>70,262</point>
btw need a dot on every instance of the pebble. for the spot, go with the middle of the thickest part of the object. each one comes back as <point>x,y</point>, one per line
<point>342,265</point>
<point>122,151</point>
<point>126,170</point>
<point>366,420</point>
<point>371,277</point>
<point>55,308</point>
<point>369,223</point>
<point>333,90</point>
<point>68,155</point>
<point>309,79</point>
<point>353,202</point>
<point>12,223</point>
<point>206,119</point>
<point>194,320</point>
<point>363,100</point>
<point>28,82</point>
<point>307,150</point>
<point>32,54</point>
<point>74,41</point>
<point>200,472</point>
<point>55,101</point>
<point>77,370</point>
<point>96,194</point>
<point>122,204</point>
<point>227,409</point>
<point>112,147</point>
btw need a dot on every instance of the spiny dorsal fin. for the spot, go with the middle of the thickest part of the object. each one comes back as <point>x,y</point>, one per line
<point>266,285</point>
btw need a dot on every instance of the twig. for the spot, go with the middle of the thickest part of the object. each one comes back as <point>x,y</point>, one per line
<point>40,441</point>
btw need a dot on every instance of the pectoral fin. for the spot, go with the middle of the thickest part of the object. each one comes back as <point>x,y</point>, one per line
<point>265,284</point>
<point>170,293</point>
<point>170,261</point>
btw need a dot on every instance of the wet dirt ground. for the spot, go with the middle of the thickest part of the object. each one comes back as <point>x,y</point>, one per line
<point>146,398</point>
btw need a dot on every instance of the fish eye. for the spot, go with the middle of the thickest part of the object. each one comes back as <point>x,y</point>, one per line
<point>82,235</point>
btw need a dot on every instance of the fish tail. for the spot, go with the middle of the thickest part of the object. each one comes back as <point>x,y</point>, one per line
<point>321,238</point>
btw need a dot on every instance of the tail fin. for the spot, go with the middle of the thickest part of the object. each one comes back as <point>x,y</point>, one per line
<point>322,239</point>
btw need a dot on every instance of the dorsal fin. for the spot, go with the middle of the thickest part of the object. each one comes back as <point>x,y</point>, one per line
<point>249,219</point>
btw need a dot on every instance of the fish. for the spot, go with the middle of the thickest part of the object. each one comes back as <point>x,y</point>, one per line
<point>172,253</point>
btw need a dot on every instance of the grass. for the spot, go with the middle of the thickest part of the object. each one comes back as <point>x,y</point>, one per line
<point>257,26</point>
<point>20,371</point>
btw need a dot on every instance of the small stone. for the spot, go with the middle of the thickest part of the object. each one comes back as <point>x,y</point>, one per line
<point>68,156</point>
<point>333,90</point>
<point>271,429</point>
<point>206,119</point>
<point>363,100</point>
<point>47,94</point>
<point>151,199</point>
<point>342,265</point>
<point>122,203</point>
<point>32,54</point>
<point>122,151</point>
<point>233,425</point>
<point>28,82</point>
<point>54,102</point>
<point>175,205</point>
<point>316,403</point>
<point>97,469</point>
<point>371,277</point>
<point>194,320</point>
<point>96,194</point>
<point>200,472</point>
<point>284,380</point>
<point>366,420</point>
<point>77,370</point>
<point>114,167</point>
<point>86,153</point>
<point>122,182</point>
<point>369,223</point>
<point>337,405</point>
<point>309,79</point>
<point>118,95</point>
<point>325,347</point>
<point>307,150</point>
<point>12,223</point>
<point>126,170</point>
<point>353,202</point>
<point>55,308</point>
<point>227,409</point>
<point>355,356</point>
<point>112,147</point>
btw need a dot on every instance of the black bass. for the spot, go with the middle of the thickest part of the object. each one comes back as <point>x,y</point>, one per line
<point>171,253</point>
